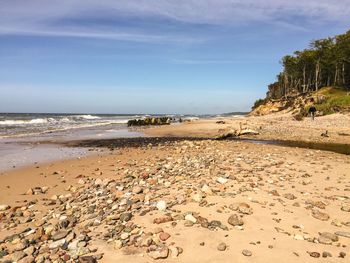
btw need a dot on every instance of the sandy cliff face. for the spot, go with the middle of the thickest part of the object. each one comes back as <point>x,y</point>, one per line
<point>270,107</point>
<point>297,105</point>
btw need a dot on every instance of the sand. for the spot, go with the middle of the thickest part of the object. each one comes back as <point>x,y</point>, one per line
<point>270,127</point>
<point>283,187</point>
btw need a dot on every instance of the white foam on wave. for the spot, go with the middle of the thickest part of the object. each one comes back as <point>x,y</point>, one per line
<point>38,121</point>
<point>88,117</point>
<point>120,121</point>
<point>22,122</point>
<point>12,122</point>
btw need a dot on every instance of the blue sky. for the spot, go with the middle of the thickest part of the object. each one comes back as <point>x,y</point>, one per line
<point>152,56</point>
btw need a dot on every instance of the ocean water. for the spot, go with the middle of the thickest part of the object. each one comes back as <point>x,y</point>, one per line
<point>29,124</point>
<point>31,139</point>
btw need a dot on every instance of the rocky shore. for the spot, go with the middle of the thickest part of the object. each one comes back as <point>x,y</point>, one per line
<point>150,121</point>
<point>179,201</point>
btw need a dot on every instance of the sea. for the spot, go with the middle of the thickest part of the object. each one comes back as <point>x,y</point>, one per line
<point>34,138</point>
<point>34,124</point>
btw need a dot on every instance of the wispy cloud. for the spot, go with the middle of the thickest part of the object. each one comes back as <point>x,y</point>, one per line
<point>102,34</point>
<point>219,61</point>
<point>42,17</point>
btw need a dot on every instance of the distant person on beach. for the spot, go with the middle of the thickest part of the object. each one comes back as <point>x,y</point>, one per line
<point>312,112</point>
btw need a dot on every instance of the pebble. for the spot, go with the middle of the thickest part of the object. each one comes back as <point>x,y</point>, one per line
<point>159,253</point>
<point>289,196</point>
<point>57,244</point>
<point>191,218</point>
<point>328,235</point>
<point>247,253</point>
<point>125,217</point>
<point>87,259</point>
<point>326,254</point>
<point>137,190</point>
<point>174,251</point>
<point>320,215</point>
<point>163,219</point>
<point>314,254</point>
<point>222,180</point>
<point>235,220</point>
<point>164,236</point>
<point>222,247</point>
<point>188,223</point>
<point>124,236</point>
<point>298,237</point>
<point>118,244</point>
<point>161,205</point>
<point>59,235</point>
<point>197,198</point>
<point>324,240</point>
<point>345,208</point>
<point>4,207</point>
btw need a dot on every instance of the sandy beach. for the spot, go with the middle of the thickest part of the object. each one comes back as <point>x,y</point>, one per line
<point>278,126</point>
<point>185,200</point>
<point>175,131</point>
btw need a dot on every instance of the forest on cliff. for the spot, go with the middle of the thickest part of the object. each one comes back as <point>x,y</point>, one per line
<point>325,63</point>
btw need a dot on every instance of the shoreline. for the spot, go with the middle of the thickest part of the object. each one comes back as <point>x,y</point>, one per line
<point>277,129</point>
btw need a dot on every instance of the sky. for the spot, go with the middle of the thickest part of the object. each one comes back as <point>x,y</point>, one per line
<point>152,56</point>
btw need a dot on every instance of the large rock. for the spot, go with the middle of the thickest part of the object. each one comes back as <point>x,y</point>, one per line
<point>150,121</point>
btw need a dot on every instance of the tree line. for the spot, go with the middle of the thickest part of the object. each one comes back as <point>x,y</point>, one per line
<point>325,63</point>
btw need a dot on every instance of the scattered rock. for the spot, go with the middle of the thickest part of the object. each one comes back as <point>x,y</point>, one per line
<point>289,196</point>
<point>320,215</point>
<point>163,219</point>
<point>235,220</point>
<point>345,208</point>
<point>159,253</point>
<point>174,251</point>
<point>161,205</point>
<point>59,235</point>
<point>330,236</point>
<point>137,190</point>
<point>125,217</point>
<point>314,254</point>
<point>222,247</point>
<point>118,244</point>
<point>247,253</point>
<point>164,236</point>
<point>87,259</point>
<point>222,180</point>
<point>4,207</point>
<point>191,218</point>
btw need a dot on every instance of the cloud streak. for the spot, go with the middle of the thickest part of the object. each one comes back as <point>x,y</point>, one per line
<point>44,18</point>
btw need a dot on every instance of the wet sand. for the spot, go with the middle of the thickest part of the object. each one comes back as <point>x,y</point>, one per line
<point>22,151</point>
